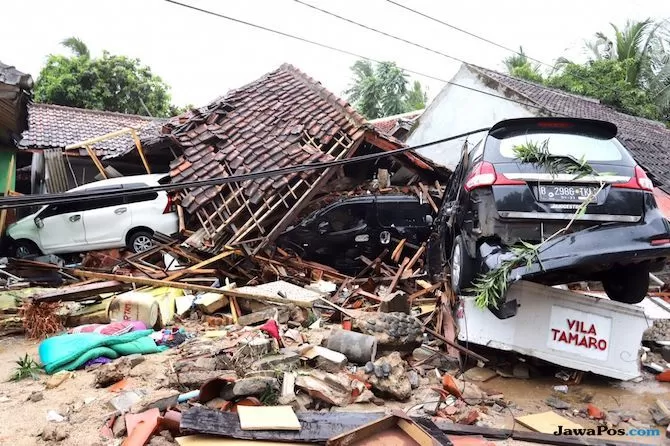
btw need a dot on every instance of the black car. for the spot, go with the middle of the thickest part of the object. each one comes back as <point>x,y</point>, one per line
<point>495,202</point>
<point>364,225</point>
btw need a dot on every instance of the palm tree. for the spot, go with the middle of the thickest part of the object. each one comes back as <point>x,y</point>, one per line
<point>382,90</point>
<point>77,46</point>
<point>517,60</point>
<point>638,42</point>
<point>519,65</point>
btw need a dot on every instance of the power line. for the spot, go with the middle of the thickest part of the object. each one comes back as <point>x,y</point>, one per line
<point>70,197</point>
<point>413,43</point>
<point>469,33</point>
<point>489,41</point>
<point>349,53</point>
<point>381,32</point>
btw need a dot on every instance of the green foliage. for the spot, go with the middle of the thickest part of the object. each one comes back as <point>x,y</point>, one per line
<point>416,97</point>
<point>26,367</point>
<point>628,69</point>
<point>518,65</point>
<point>606,80</point>
<point>528,72</point>
<point>382,90</point>
<point>77,46</point>
<point>490,288</point>
<point>538,154</point>
<point>111,83</point>
<point>269,397</point>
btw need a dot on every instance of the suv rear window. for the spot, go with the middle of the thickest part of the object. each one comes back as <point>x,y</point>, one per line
<point>400,214</point>
<point>566,144</point>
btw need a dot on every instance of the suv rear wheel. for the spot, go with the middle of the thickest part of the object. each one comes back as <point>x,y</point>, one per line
<point>627,284</point>
<point>462,266</point>
<point>140,241</point>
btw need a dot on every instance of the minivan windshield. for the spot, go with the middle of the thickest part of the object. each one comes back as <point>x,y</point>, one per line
<point>567,144</point>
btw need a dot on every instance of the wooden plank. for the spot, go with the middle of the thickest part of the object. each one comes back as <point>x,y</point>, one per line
<point>205,440</point>
<point>426,193</point>
<point>96,161</point>
<point>423,292</point>
<point>419,252</point>
<point>370,265</point>
<point>180,216</point>
<point>520,435</point>
<point>369,295</point>
<point>79,292</point>
<point>455,345</point>
<point>396,278</point>
<point>138,144</point>
<point>91,141</point>
<point>316,427</point>
<point>235,309</point>
<point>183,272</point>
<point>395,256</point>
<point>363,432</point>
<point>417,433</point>
<point>186,286</point>
<point>547,422</point>
<point>337,307</point>
<point>256,418</point>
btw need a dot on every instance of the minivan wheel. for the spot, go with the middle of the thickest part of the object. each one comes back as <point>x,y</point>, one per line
<point>140,241</point>
<point>25,248</point>
<point>462,267</point>
<point>628,284</point>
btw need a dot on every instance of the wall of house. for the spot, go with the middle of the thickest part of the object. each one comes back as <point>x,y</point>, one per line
<point>458,110</point>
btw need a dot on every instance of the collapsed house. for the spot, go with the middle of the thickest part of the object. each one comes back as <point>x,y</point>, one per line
<point>283,119</point>
<point>46,165</point>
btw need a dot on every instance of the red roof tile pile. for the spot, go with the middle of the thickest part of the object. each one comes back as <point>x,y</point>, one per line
<point>285,118</point>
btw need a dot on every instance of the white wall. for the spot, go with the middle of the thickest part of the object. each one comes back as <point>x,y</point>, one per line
<point>458,110</point>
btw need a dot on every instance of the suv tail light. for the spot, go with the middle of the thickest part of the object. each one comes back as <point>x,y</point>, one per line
<point>170,205</point>
<point>484,174</point>
<point>640,181</point>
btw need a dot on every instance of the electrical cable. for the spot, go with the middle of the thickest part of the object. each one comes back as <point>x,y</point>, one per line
<point>413,43</point>
<point>489,41</point>
<point>69,197</point>
<point>469,33</point>
<point>349,53</point>
<point>369,28</point>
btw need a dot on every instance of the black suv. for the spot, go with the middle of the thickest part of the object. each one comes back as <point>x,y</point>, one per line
<point>364,225</point>
<point>496,201</point>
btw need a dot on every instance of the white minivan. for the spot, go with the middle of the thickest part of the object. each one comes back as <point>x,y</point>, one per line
<point>111,222</point>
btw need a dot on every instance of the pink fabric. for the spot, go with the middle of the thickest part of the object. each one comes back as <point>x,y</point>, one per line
<point>113,329</point>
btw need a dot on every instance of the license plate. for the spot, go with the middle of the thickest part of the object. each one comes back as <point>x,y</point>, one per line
<point>565,194</point>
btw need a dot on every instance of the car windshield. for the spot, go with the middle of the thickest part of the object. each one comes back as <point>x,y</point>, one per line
<point>569,145</point>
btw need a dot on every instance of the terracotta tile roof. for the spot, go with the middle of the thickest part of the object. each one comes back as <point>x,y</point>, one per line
<point>15,89</point>
<point>388,124</point>
<point>647,140</point>
<point>56,126</point>
<point>266,124</point>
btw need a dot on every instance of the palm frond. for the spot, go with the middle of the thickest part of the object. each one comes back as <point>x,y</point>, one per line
<point>77,46</point>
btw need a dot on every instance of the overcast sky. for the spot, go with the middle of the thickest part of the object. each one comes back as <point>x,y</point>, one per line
<point>201,56</point>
